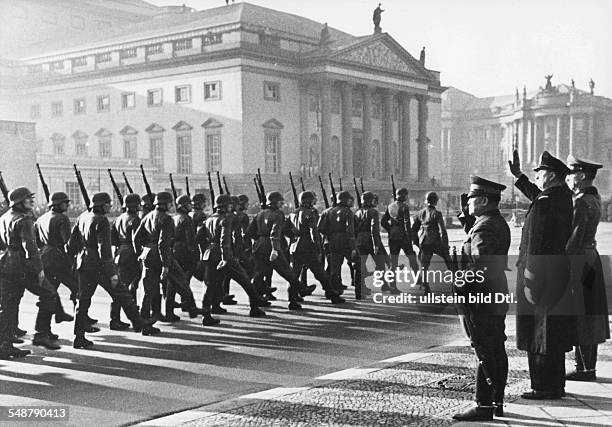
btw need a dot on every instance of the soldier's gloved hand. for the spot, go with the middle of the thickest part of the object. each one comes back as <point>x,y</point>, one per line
<point>114,280</point>
<point>273,255</point>
<point>221,264</point>
<point>515,164</point>
<point>41,277</point>
<point>164,273</point>
<point>464,204</point>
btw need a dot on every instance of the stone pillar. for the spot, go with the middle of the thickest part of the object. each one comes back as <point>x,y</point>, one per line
<point>304,134</point>
<point>571,134</point>
<point>405,100</point>
<point>325,88</point>
<point>590,145</point>
<point>537,141</point>
<point>525,140</point>
<point>387,133</point>
<point>558,138</point>
<point>422,141</point>
<point>347,130</point>
<point>367,132</point>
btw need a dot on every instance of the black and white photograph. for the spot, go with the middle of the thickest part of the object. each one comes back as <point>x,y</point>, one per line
<point>305,213</point>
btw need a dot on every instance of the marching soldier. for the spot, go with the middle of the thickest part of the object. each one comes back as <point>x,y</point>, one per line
<point>128,267</point>
<point>198,202</point>
<point>368,237</point>
<point>429,234</point>
<point>146,205</point>
<point>53,233</point>
<point>22,268</point>
<point>306,246</point>
<point>588,282</point>
<point>91,241</point>
<point>338,225</point>
<point>486,250</point>
<point>267,252</point>
<point>232,219</point>
<point>396,221</point>
<point>544,327</point>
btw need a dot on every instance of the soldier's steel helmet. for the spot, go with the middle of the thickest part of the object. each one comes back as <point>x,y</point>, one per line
<point>274,196</point>
<point>222,200</point>
<point>243,198</point>
<point>198,198</point>
<point>344,197</point>
<point>402,192</point>
<point>368,197</point>
<point>163,198</point>
<point>131,201</point>
<point>183,200</point>
<point>57,198</point>
<point>235,200</point>
<point>18,195</point>
<point>306,196</point>
<point>99,199</point>
<point>431,197</point>
<point>145,200</point>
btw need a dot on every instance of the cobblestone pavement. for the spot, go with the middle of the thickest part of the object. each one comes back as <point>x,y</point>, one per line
<point>423,389</point>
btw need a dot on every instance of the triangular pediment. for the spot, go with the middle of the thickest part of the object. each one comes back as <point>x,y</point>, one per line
<point>57,136</point>
<point>154,127</point>
<point>182,126</point>
<point>382,52</point>
<point>212,123</point>
<point>79,134</point>
<point>103,132</point>
<point>128,130</point>
<point>273,124</point>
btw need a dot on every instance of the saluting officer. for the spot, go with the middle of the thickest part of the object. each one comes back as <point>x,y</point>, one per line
<point>588,282</point>
<point>53,233</point>
<point>544,327</point>
<point>485,250</point>
<point>396,221</point>
<point>368,238</point>
<point>91,241</point>
<point>128,267</point>
<point>21,268</point>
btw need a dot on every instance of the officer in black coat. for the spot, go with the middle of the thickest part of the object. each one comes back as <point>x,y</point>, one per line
<point>485,252</point>
<point>544,326</point>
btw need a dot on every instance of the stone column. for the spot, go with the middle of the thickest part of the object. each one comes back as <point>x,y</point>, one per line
<point>422,141</point>
<point>571,134</point>
<point>325,88</point>
<point>590,122</point>
<point>537,141</point>
<point>388,155</point>
<point>304,134</point>
<point>404,144</point>
<point>347,130</point>
<point>367,132</point>
<point>558,138</point>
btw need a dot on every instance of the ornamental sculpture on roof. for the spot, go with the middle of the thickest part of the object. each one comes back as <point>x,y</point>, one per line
<point>376,18</point>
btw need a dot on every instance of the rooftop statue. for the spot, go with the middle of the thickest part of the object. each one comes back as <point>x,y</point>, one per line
<point>376,18</point>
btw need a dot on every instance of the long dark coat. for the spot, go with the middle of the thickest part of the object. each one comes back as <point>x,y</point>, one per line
<point>548,325</point>
<point>587,279</point>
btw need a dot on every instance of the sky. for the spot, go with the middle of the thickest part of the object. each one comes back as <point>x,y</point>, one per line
<point>485,47</point>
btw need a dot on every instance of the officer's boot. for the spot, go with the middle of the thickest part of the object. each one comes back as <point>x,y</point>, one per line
<point>7,351</point>
<point>115,315</point>
<point>499,409</point>
<point>207,319</point>
<point>81,342</point>
<point>477,413</point>
<point>45,340</point>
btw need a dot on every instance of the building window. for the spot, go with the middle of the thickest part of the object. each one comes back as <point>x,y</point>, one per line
<point>154,97</point>
<point>156,143</point>
<point>104,57</point>
<point>35,69</point>
<point>314,154</point>
<point>213,151</point>
<point>335,105</point>
<point>58,145</point>
<point>79,106</point>
<point>78,22</point>
<point>272,151</point>
<point>375,158</point>
<point>155,49</point>
<point>209,39</point>
<point>313,103</point>
<point>130,147</point>
<point>57,109</point>
<point>182,94</point>
<point>183,146</point>
<point>74,192</point>
<point>80,147</point>
<point>376,109</point>
<point>271,91</point>
<point>103,103</point>
<point>79,62</point>
<point>56,65</point>
<point>212,91</point>
<point>128,100</point>
<point>105,147</point>
<point>35,111</point>
<point>183,44</point>
<point>131,52</point>
<point>357,108</point>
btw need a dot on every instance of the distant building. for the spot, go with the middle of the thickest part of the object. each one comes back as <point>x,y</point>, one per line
<point>479,134</point>
<point>19,139</point>
<point>233,88</point>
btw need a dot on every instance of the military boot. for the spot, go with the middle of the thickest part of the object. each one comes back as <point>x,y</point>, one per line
<point>257,312</point>
<point>45,340</point>
<point>82,342</point>
<point>63,317</point>
<point>477,413</point>
<point>7,351</point>
<point>118,325</point>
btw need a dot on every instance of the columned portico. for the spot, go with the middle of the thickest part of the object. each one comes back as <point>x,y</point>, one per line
<point>325,87</point>
<point>347,130</point>
<point>405,100</point>
<point>367,131</point>
<point>387,132</point>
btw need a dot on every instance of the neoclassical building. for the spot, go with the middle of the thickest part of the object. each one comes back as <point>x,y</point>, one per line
<point>233,88</point>
<point>479,134</point>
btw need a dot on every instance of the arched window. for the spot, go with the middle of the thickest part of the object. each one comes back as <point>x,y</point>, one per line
<point>375,158</point>
<point>183,147</point>
<point>335,154</point>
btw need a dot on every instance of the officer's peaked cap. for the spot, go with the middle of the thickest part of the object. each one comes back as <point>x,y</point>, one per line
<point>578,165</point>
<point>550,162</point>
<point>484,187</point>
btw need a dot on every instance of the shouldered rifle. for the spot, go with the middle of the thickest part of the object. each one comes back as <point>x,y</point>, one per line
<point>127,184</point>
<point>187,187</point>
<point>393,187</point>
<point>225,185</point>
<point>115,187</point>
<point>174,193</point>
<point>259,197</point>
<point>333,190</point>
<point>43,183</point>
<point>340,183</point>
<point>357,193</point>
<point>212,192</point>
<point>82,187</point>
<point>323,193</point>
<point>302,183</point>
<point>261,186</point>
<point>361,181</point>
<point>146,184</point>
<point>4,189</point>
<point>296,201</point>
<point>219,183</point>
